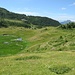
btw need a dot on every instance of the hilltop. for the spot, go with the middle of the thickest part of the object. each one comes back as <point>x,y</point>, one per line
<point>38,21</point>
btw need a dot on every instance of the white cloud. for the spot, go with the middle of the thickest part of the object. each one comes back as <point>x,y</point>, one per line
<point>61,16</point>
<point>26,9</point>
<point>29,13</point>
<point>63,8</point>
<point>22,9</point>
<point>73,4</point>
<point>65,17</point>
<point>56,16</point>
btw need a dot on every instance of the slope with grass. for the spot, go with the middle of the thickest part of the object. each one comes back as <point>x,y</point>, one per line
<point>10,44</point>
<point>28,20</point>
<point>48,51</point>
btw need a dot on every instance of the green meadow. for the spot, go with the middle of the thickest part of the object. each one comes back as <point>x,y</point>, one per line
<point>45,51</point>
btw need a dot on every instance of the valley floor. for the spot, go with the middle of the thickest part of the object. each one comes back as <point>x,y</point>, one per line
<point>49,51</point>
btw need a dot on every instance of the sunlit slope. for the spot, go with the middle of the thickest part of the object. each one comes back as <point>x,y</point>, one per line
<point>48,51</point>
<point>45,39</point>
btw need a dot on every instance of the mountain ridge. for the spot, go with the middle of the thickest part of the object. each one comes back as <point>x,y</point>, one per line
<point>35,20</point>
<point>65,22</point>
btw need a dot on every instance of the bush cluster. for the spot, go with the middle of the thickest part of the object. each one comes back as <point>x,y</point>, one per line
<point>68,26</point>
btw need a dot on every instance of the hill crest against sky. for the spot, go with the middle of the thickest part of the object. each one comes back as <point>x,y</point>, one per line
<point>60,10</point>
<point>35,20</point>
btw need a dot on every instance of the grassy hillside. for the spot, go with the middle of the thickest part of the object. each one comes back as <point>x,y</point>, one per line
<point>17,23</point>
<point>48,51</point>
<point>11,44</point>
<point>34,20</point>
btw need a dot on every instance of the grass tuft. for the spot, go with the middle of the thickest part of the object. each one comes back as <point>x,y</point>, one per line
<point>28,57</point>
<point>60,69</point>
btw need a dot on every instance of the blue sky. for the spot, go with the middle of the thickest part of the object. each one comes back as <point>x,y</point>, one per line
<point>56,9</point>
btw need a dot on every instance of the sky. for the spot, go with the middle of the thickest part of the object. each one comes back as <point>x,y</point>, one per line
<point>60,10</point>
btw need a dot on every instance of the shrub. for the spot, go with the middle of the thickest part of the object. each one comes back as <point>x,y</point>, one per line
<point>28,57</point>
<point>68,26</point>
<point>61,69</point>
<point>3,24</point>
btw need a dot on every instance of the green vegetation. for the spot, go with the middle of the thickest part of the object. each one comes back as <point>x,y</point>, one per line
<point>28,57</point>
<point>47,51</point>
<point>10,44</point>
<point>17,23</point>
<point>29,47</point>
<point>42,21</point>
<point>70,25</point>
<point>60,69</point>
<point>22,20</point>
